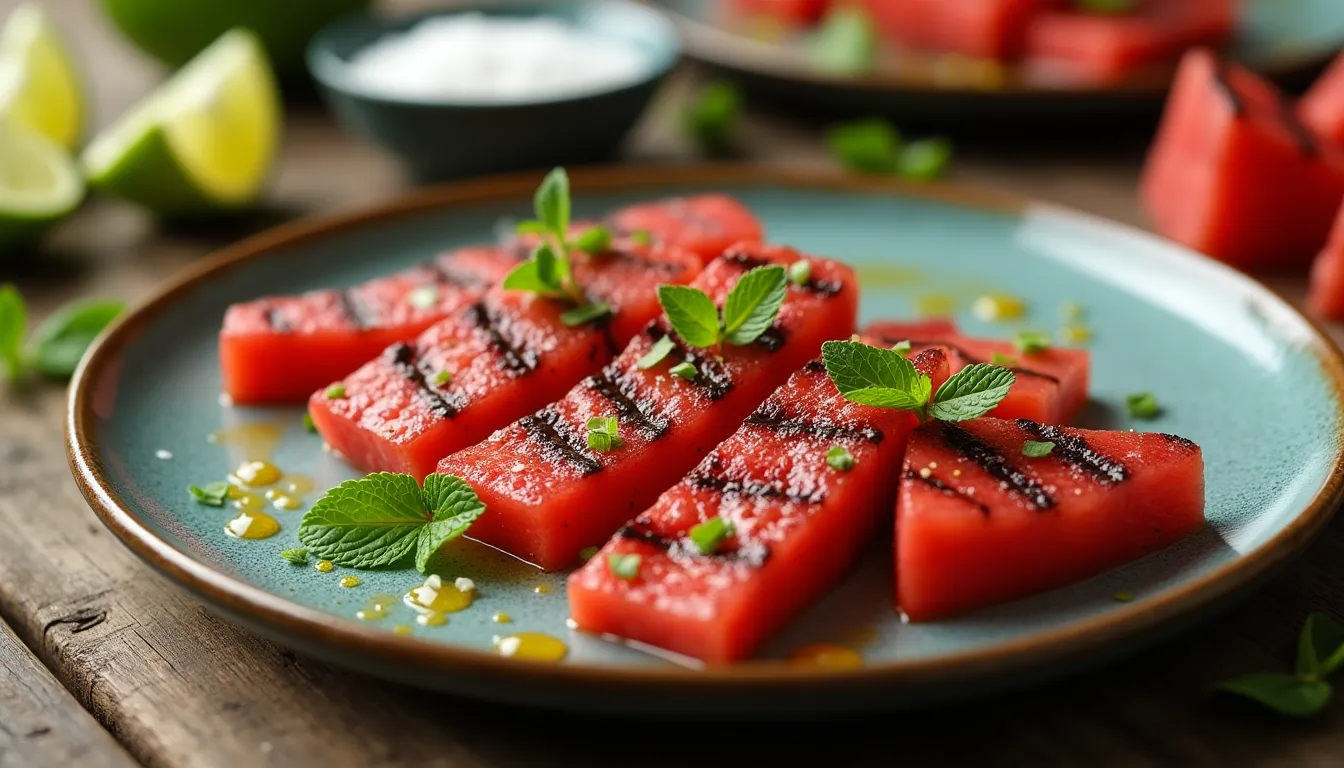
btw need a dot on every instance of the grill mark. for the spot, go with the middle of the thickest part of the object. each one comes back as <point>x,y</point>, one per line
<point>447,273</point>
<point>753,553</point>
<point>520,361</point>
<point>556,448</point>
<point>1306,142</point>
<point>617,390</point>
<point>641,260</point>
<point>1220,79</point>
<point>771,416</point>
<point>726,486</point>
<point>815,366</point>
<point>402,357</point>
<point>359,313</point>
<point>772,340</point>
<point>947,490</point>
<point>1183,442</point>
<point>823,288</point>
<point>994,464</point>
<point>276,320</point>
<point>713,379</point>
<point>969,358</point>
<point>1074,451</point>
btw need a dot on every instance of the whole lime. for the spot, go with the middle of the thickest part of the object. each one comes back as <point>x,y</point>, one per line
<point>176,30</point>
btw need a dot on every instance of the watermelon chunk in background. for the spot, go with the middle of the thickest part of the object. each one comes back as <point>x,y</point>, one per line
<point>506,356</point>
<point>989,29</point>
<point>1233,174</point>
<point>1098,48</point>
<point>705,225</point>
<point>793,12</point>
<point>1325,296</point>
<point>548,495</point>
<point>798,524</point>
<point>1322,107</point>
<point>1051,385</point>
<point>278,349</point>
<point>979,523</point>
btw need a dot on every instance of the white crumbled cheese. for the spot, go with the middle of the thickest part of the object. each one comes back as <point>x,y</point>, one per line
<point>434,582</point>
<point>163,455</point>
<point>476,58</point>
<point>464,584</point>
<point>571,624</point>
<point>224,400</point>
<point>238,526</point>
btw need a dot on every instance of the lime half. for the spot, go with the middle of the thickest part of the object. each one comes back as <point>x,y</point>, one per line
<point>39,184</point>
<point>39,83</point>
<point>203,142</point>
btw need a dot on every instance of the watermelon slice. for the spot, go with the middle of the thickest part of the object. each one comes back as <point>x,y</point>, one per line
<point>1100,48</point>
<point>987,29</point>
<point>1051,385</point>
<point>791,12</point>
<point>1235,175</point>
<point>705,225</point>
<point>1326,295</point>
<point>500,358</point>
<point>548,495</point>
<point>1322,108</point>
<point>979,523</point>
<point>798,525</point>
<point>278,349</point>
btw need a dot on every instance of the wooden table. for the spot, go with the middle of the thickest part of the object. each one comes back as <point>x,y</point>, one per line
<point>175,686</point>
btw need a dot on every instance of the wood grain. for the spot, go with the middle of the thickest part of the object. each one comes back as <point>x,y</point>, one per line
<point>179,687</point>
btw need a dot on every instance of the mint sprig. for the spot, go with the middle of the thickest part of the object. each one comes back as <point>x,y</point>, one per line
<point>58,343</point>
<point>1320,653</point>
<point>885,378</point>
<point>13,325</point>
<point>748,311</point>
<point>385,519</point>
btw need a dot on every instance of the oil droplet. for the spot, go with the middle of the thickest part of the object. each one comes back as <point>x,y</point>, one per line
<point>297,485</point>
<point>1076,334</point>
<point>254,474</point>
<point>542,589</point>
<point>532,646</point>
<point>436,597</point>
<point>999,308</point>
<point>324,566</point>
<point>431,619</point>
<point>934,305</point>
<point>827,655</point>
<point>252,525</point>
<point>255,441</point>
<point>350,582</point>
<point>163,455</point>
<point>376,608</point>
<point>401,629</point>
<point>500,617</point>
<point>245,499</point>
<point>281,500</point>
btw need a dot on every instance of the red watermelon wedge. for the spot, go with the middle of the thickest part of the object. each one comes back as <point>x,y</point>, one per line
<point>704,224</point>
<point>1322,108</point>
<point>791,12</point>
<point>1326,295</point>
<point>548,495</point>
<point>798,525</point>
<point>979,523</point>
<point>989,29</point>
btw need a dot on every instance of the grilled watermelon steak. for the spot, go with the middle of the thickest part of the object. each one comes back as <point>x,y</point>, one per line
<point>705,224</point>
<point>490,363</point>
<point>1326,295</point>
<point>1234,174</point>
<point>548,495</point>
<point>979,523</point>
<point>791,12</point>
<point>797,525</point>
<point>279,349</point>
<point>1322,108</point>
<point>989,29</point>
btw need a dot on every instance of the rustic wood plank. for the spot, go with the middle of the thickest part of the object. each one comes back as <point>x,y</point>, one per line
<point>40,723</point>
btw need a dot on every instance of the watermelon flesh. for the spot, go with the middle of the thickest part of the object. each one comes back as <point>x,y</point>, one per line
<point>987,29</point>
<point>278,349</point>
<point>507,354</point>
<point>1233,173</point>
<point>1051,385</point>
<point>548,495</point>
<point>1326,294</point>
<point>705,225</point>
<point>791,12</point>
<point>1322,108</point>
<point>1094,48</point>
<point>978,523</point>
<point>798,525</point>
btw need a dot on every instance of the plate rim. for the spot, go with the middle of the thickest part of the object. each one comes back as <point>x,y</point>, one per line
<point>291,620</point>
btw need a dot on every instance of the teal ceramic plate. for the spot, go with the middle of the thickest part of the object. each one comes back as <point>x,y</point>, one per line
<point>1281,38</point>
<point>1237,369</point>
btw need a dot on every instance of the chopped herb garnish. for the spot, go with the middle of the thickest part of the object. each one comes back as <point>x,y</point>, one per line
<point>865,146</point>
<point>710,535</point>
<point>902,348</point>
<point>800,272</point>
<point>424,297</point>
<point>585,313</point>
<point>1031,342</point>
<point>660,350</point>
<point>594,241</point>
<point>604,433</point>
<point>211,494</point>
<point>1143,405</point>
<point>748,312</point>
<point>1320,653</point>
<point>685,370</point>
<point>1034,449</point>
<point>1001,359</point>
<point>335,391</point>
<point>924,160</point>
<point>308,422</point>
<point>587,553</point>
<point>625,567</point>
<point>839,458</point>
<point>297,556</point>
<point>711,115</point>
<point>442,378</point>
<point>886,379</point>
<point>845,43</point>
<point>642,237</point>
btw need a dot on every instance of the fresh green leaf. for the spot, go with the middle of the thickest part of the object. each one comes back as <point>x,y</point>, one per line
<point>453,505</point>
<point>800,272</point>
<point>1320,650</point>
<point>924,160</point>
<point>710,535</point>
<point>710,117</point>
<point>625,567</point>
<point>1285,694</point>
<point>1037,449</point>
<point>211,494</point>
<point>335,391</point>
<point>308,423</point>
<point>660,350</point>
<point>424,297</point>
<point>551,202</point>
<point>685,370</point>
<point>297,556</point>
<point>872,376</point>
<point>971,392</point>
<point>594,241</point>
<point>902,348</point>
<point>442,378</point>
<point>371,522</point>
<point>865,146</point>
<point>525,277</point>
<point>1105,6</point>
<point>532,227</point>
<point>548,267</point>
<point>839,458</point>
<point>1004,360</point>
<point>604,433</point>
<point>60,341</point>
<point>607,425</point>
<point>1031,342</point>
<point>13,326</point>
<point>585,313</point>
<point>845,43</point>
<point>642,237</point>
<point>587,553</point>
<point>1143,405</point>
<point>754,303</point>
<point>692,314</point>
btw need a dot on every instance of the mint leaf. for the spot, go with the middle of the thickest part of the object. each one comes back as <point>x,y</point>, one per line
<point>424,297</point>
<point>1143,405</point>
<point>641,237</point>
<point>845,43</point>
<point>1320,649</point>
<point>902,348</point>
<point>685,370</point>
<point>1037,449</point>
<point>800,272</point>
<point>13,325</point>
<point>710,535</point>
<point>335,391</point>
<point>971,392</point>
<point>624,567</point>
<point>594,241</point>
<point>660,350</point>
<point>924,160</point>
<point>1031,342</point>
<point>308,424</point>
<point>754,303</point>
<point>532,227</point>
<point>454,507</point>
<point>551,202</point>
<point>548,268</point>
<point>61,340</point>
<point>211,495</point>
<point>371,522</point>
<point>525,277</point>
<point>297,556</point>
<point>710,117</point>
<point>1001,359</point>
<point>872,376</point>
<point>692,314</point>
<point>865,146</point>
<point>585,313</point>
<point>604,433</point>
<point>1285,694</point>
<point>839,458</point>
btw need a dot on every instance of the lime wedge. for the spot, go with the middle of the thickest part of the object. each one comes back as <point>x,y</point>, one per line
<point>39,184</point>
<point>204,142</point>
<point>39,83</point>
